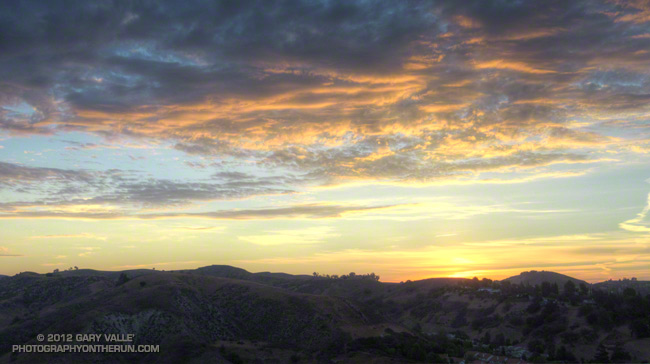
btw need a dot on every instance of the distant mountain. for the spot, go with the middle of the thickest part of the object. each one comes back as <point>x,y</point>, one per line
<point>535,278</point>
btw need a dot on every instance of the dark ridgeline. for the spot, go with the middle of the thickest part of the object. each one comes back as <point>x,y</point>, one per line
<point>227,314</point>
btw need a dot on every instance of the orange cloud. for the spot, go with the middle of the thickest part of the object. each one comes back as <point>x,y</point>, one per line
<point>511,65</point>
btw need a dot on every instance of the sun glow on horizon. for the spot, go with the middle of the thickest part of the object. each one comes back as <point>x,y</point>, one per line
<point>427,139</point>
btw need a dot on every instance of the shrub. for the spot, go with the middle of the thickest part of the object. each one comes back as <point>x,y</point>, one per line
<point>536,346</point>
<point>122,279</point>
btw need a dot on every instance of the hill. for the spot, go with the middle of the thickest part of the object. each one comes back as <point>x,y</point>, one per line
<point>226,271</point>
<point>107,274</point>
<point>180,312</point>
<point>620,286</point>
<point>227,314</point>
<point>536,278</point>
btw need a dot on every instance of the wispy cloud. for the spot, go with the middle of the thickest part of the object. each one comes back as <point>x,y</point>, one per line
<point>88,250</point>
<point>211,229</point>
<point>70,236</point>
<point>187,263</point>
<point>304,211</point>
<point>57,264</point>
<point>4,252</point>
<point>310,235</point>
<point>639,223</point>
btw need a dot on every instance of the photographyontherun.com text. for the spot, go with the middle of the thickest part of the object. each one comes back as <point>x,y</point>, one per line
<point>85,343</point>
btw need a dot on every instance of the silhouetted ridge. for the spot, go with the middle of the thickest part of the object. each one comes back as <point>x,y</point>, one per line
<point>226,314</point>
<point>225,271</point>
<point>536,278</point>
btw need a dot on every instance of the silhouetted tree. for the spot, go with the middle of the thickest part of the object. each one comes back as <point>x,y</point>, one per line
<point>122,279</point>
<point>535,305</point>
<point>565,355</point>
<point>418,353</point>
<point>641,328</point>
<point>499,340</point>
<point>602,356</point>
<point>620,355</point>
<point>555,289</point>
<point>536,346</point>
<point>569,288</point>
<point>487,338</point>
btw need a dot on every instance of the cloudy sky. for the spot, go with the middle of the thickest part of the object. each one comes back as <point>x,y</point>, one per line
<point>411,139</point>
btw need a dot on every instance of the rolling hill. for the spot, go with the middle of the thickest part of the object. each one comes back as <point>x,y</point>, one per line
<point>178,311</point>
<point>536,278</point>
<point>229,315</point>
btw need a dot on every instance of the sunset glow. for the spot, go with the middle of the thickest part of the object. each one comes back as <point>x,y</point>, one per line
<point>408,139</point>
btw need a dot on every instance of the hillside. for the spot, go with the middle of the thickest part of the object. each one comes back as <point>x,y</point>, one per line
<point>620,286</point>
<point>173,309</point>
<point>106,274</point>
<point>227,314</point>
<point>536,278</point>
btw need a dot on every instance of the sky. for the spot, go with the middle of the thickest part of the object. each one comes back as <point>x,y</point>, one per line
<point>412,139</point>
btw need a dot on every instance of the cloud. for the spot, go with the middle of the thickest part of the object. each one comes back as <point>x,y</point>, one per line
<point>515,66</point>
<point>87,251</point>
<point>68,190</point>
<point>445,235</point>
<point>191,263</point>
<point>4,252</point>
<point>69,236</point>
<point>332,91</point>
<point>201,228</point>
<point>639,223</point>
<point>635,11</point>
<point>305,211</point>
<point>308,236</point>
<point>13,174</point>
